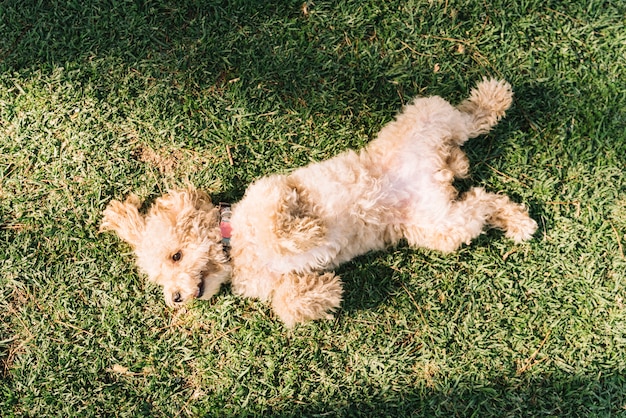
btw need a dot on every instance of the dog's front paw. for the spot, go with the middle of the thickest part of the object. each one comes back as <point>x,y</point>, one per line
<point>307,297</point>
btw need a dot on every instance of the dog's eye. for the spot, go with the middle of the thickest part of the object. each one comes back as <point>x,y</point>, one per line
<point>177,298</point>
<point>177,256</point>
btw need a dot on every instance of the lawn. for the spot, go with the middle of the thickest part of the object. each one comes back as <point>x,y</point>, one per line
<point>102,98</point>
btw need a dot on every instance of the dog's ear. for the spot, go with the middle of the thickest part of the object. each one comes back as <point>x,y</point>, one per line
<point>124,218</point>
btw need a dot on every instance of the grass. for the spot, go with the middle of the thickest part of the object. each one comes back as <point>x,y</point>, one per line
<point>101,98</point>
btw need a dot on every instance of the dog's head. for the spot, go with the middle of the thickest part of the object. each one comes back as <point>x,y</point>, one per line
<point>178,243</point>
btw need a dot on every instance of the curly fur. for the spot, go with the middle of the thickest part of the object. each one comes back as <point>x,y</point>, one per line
<point>290,231</point>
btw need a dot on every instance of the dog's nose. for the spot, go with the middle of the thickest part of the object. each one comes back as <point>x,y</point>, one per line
<point>177,298</point>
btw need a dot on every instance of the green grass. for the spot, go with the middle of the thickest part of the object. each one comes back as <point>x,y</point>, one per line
<point>101,98</point>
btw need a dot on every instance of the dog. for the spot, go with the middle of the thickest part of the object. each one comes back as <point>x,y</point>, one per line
<point>290,230</point>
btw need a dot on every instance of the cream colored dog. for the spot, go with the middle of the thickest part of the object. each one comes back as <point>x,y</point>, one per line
<point>290,231</point>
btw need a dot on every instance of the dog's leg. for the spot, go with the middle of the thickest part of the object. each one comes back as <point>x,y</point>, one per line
<point>307,296</point>
<point>486,105</point>
<point>466,219</point>
<point>457,162</point>
<point>508,216</point>
<point>281,216</point>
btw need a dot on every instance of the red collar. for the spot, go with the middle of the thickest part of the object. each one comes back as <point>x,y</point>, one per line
<point>225,227</point>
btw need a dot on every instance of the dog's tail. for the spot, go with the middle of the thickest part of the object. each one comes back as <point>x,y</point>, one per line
<point>486,105</point>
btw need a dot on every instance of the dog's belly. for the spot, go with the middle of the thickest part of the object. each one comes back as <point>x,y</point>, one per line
<point>365,205</point>
<point>373,195</point>
<point>362,213</point>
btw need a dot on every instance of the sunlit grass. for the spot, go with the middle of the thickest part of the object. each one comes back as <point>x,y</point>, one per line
<point>98,99</point>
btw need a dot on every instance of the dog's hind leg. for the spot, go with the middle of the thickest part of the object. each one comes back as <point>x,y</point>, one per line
<point>307,296</point>
<point>467,218</point>
<point>508,216</point>
<point>486,105</point>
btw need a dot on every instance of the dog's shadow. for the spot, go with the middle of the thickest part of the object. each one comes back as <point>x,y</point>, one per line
<point>367,283</point>
<point>371,280</point>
